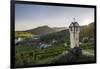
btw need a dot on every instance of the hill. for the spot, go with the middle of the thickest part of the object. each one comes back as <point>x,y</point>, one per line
<point>41,30</point>
<point>87,31</point>
<point>59,28</point>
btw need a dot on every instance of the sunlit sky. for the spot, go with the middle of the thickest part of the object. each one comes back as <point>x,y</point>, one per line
<point>31,16</point>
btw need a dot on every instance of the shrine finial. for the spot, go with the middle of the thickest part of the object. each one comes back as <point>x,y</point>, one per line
<point>74,19</point>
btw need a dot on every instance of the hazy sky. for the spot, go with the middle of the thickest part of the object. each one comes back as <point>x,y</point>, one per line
<point>31,16</point>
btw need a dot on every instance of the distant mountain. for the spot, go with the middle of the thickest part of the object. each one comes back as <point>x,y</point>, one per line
<point>59,28</point>
<point>41,30</point>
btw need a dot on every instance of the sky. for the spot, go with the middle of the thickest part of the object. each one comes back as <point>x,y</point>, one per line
<point>29,16</point>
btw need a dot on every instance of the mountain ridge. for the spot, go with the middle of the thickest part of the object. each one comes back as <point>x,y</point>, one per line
<point>42,30</point>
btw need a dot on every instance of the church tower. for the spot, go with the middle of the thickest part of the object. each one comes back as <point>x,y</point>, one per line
<point>74,34</point>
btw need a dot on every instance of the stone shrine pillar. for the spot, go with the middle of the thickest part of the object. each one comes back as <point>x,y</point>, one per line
<point>74,30</point>
<point>74,34</point>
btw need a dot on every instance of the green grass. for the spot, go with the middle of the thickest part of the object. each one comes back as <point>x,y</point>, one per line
<point>30,55</point>
<point>22,34</point>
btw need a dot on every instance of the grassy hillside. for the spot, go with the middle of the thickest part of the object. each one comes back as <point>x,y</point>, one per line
<point>87,31</point>
<point>62,36</point>
<point>41,30</point>
<point>22,34</point>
